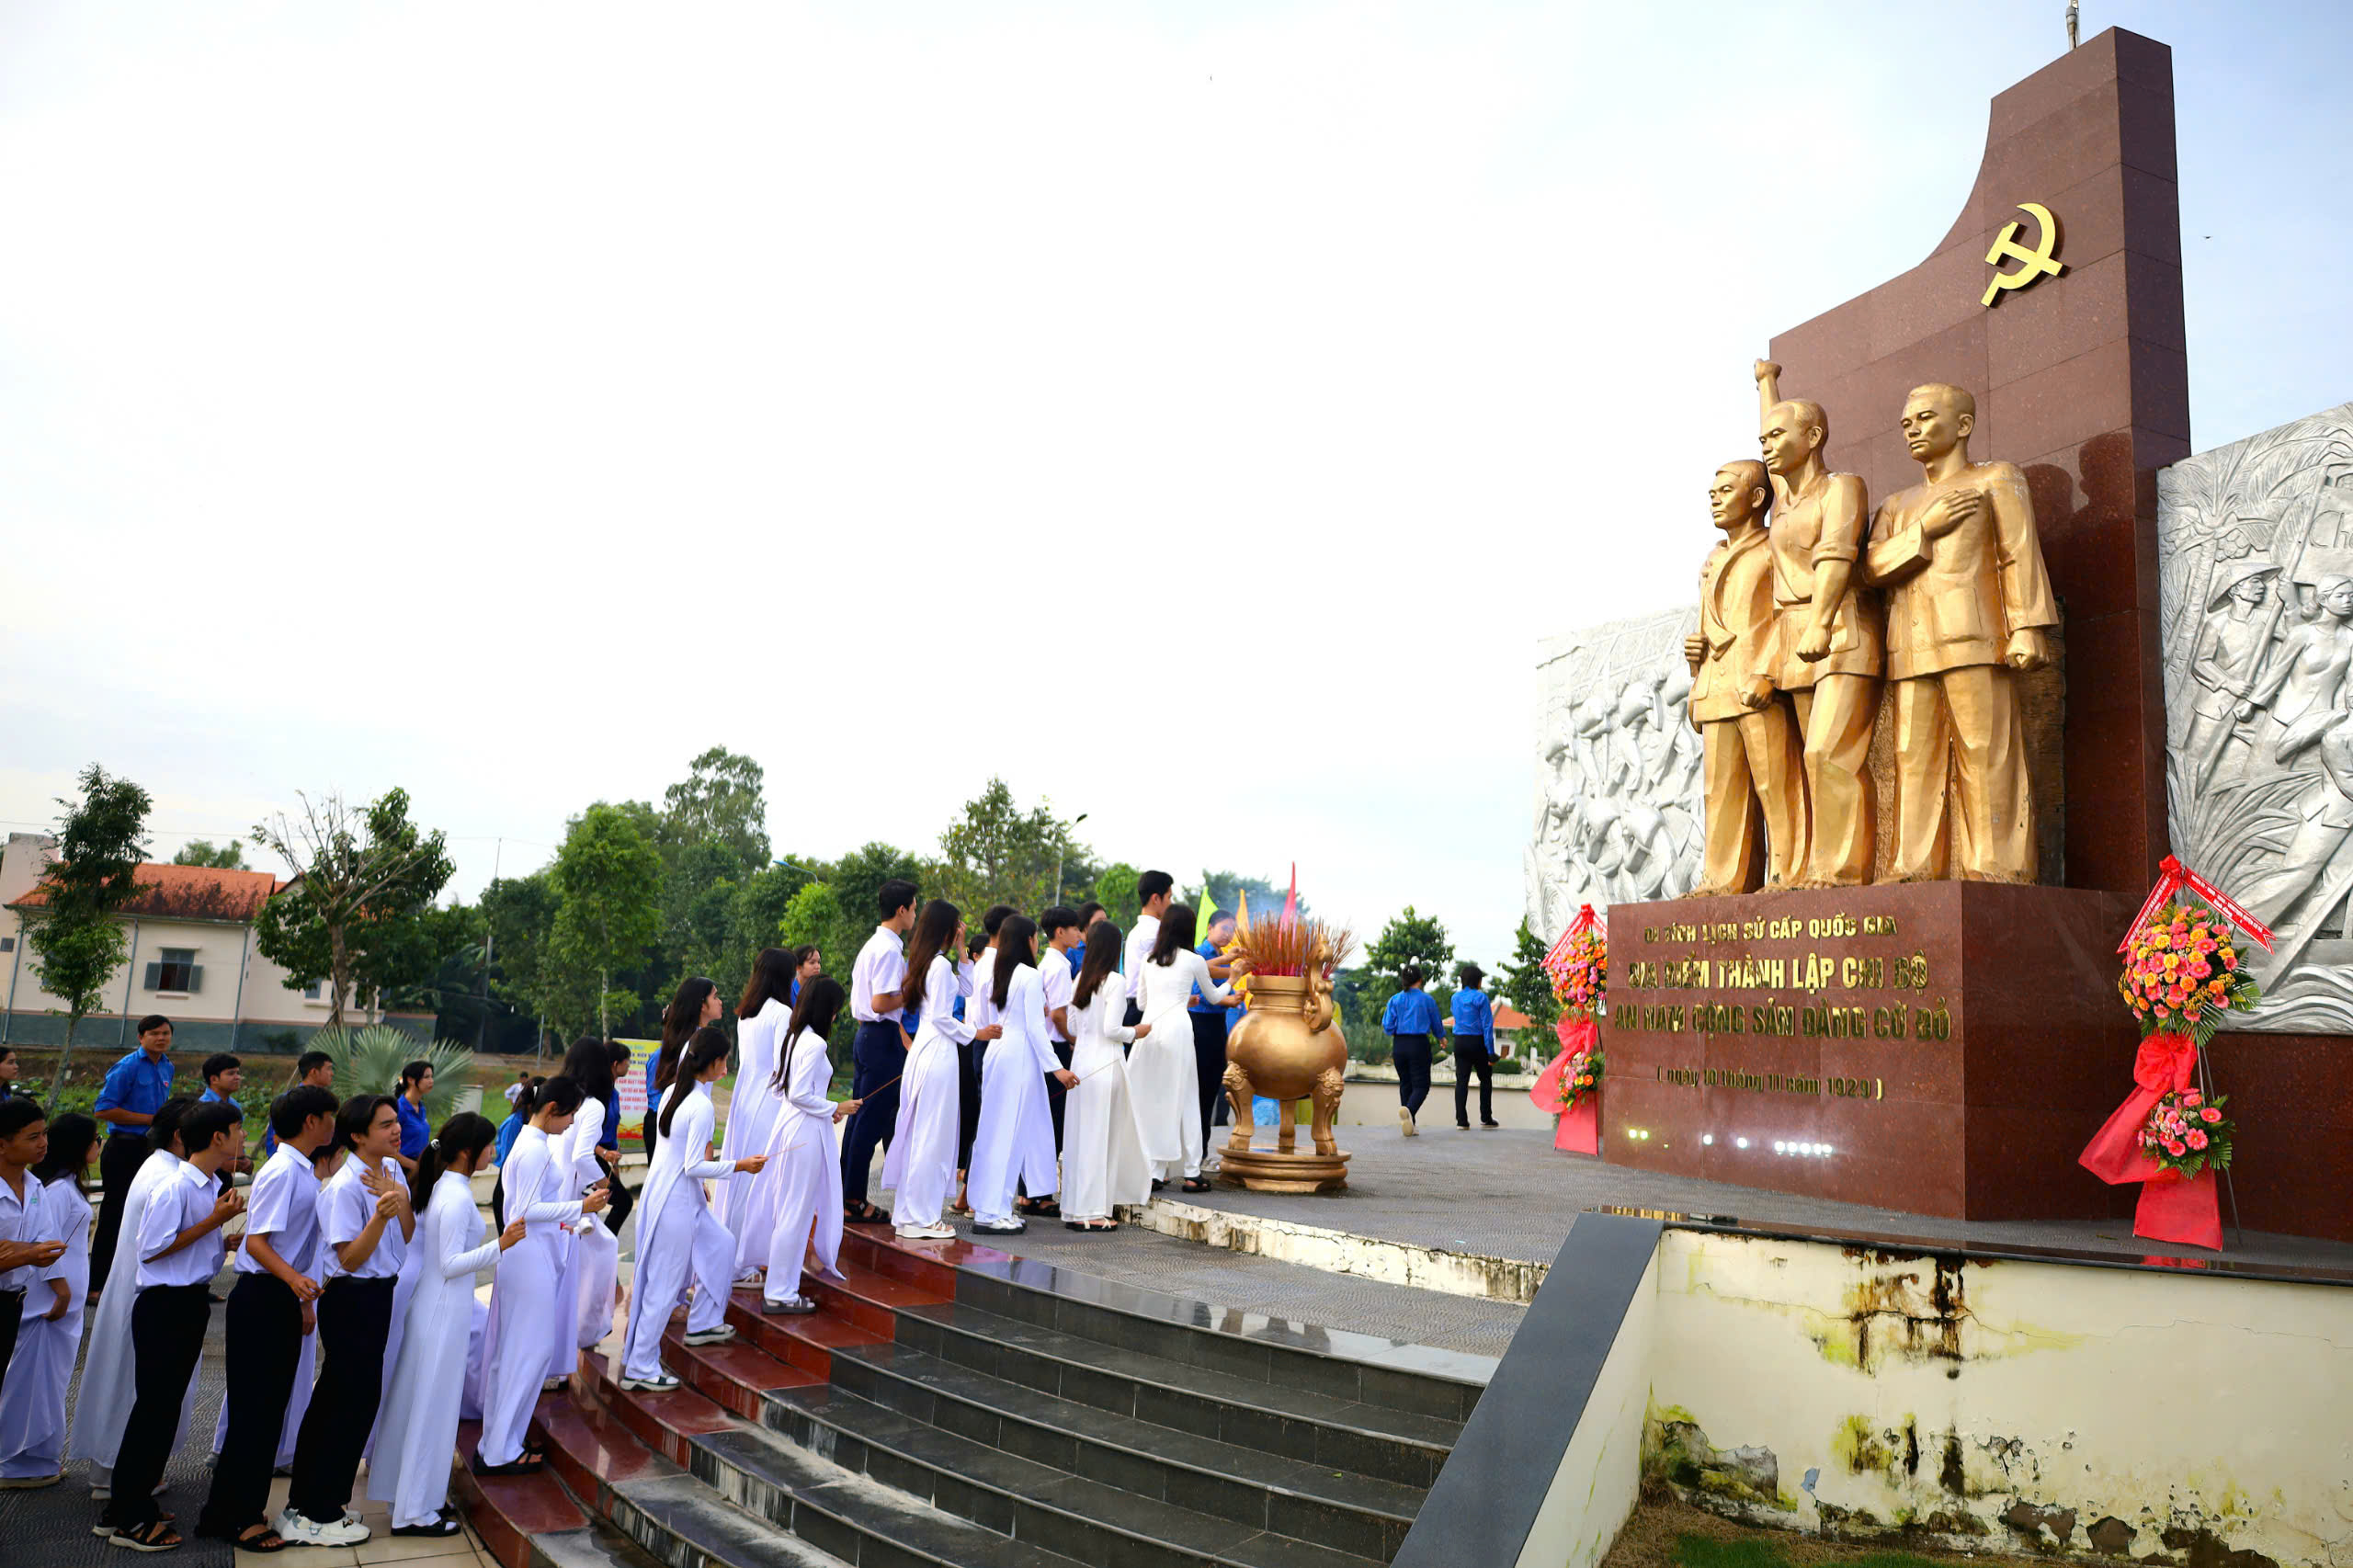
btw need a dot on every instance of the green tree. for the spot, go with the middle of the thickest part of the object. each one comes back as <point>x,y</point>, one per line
<point>997,853</point>
<point>722,798</point>
<point>1522,984</point>
<point>1413,941</point>
<point>698,914</point>
<point>814,915</point>
<point>857,880</point>
<point>758,907</point>
<point>77,941</point>
<point>1114,890</point>
<point>608,876</point>
<point>356,913</point>
<point>229,856</point>
<point>518,918</point>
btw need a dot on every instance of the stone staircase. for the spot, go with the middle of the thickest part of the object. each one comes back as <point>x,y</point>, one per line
<point>949,1406</point>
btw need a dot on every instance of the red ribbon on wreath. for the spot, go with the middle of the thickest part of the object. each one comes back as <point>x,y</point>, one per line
<point>1584,922</point>
<point>2173,876</point>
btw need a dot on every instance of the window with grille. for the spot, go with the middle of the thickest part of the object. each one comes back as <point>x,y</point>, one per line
<point>175,968</point>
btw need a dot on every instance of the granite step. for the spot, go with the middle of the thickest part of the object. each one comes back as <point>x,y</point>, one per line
<point>786,1495</point>
<point>1326,1430</point>
<point>1297,1497</point>
<point>1309,1357</point>
<point>1081,1517</point>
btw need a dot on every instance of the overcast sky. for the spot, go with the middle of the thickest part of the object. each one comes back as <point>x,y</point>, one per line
<point>509,401</point>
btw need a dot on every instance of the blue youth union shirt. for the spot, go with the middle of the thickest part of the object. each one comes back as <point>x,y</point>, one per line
<point>1410,1012</point>
<point>414,1134</point>
<point>1474,1017</point>
<point>136,1083</point>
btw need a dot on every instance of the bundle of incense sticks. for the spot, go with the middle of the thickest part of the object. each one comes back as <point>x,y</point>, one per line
<point>1288,944</point>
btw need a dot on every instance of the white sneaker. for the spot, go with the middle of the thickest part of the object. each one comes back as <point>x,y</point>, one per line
<point>662,1384</point>
<point>927,1232</point>
<point>1406,1122</point>
<point>299,1530</point>
<point>720,1335</point>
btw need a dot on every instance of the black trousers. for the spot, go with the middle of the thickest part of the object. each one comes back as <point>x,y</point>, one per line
<point>1411,1052</point>
<point>265,1334</point>
<point>12,1312</point>
<point>876,1060</point>
<point>968,1099</point>
<point>1056,1093</point>
<point>118,1161</point>
<point>355,1319</point>
<point>1470,1056</point>
<point>624,1200</point>
<point>166,1337</point>
<point>1209,1066</point>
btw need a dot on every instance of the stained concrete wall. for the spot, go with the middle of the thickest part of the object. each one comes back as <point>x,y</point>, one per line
<point>2003,1405</point>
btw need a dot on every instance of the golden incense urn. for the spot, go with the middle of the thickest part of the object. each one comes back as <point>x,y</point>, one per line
<point>1287,1046</point>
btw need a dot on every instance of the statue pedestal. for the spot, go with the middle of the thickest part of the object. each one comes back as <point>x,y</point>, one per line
<point>1942,1048</point>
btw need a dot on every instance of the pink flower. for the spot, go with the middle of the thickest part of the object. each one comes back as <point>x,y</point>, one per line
<point>2197,1139</point>
<point>2199,968</point>
<point>2174,1147</point>
<point>2191,1096</point>
<point>2210,1115</point>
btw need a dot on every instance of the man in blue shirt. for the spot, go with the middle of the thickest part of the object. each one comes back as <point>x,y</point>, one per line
<point>1409,1021</point>
<point>1473,1027</point>
<point>1209,1027</point>
<point>1089,914</point>
<point>135,1090</point>
<point>416,1082</point>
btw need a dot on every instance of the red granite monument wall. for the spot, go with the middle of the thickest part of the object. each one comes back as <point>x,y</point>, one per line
<point>2082,380</point>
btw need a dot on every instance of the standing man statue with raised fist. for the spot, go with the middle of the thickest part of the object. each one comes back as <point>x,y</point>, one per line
<point>1828,622</point>
<point>1969,609</point>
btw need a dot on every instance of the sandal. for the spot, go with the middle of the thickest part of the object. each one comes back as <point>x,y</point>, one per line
<point>865,1214</point>
<point>1095,1226</point>
<point>1045,1209</point>
<point>155,1536</point>
<point>1197,1184</point>
<point>268,1541</point>
<point>529,1464</point>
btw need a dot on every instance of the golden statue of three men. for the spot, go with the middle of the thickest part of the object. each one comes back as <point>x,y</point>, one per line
<point>1943,593</point>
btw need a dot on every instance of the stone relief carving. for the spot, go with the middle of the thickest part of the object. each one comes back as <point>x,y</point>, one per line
<point>1618,805</point>
<point>2255,558</point>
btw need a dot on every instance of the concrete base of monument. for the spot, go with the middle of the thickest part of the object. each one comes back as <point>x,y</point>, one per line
<point>1943,1048</point>
<point>1279,1170</point>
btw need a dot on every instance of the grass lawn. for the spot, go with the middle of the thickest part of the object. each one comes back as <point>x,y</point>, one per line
<point>1672,1535</point>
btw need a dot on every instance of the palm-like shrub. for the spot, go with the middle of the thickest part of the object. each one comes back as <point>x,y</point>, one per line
<point>367,1061</point>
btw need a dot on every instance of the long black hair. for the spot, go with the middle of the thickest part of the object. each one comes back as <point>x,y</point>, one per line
<point>1101,962</point>
<point>166,1128</point>
<point>1017,944</point>
<point>820,1005</point>
<point>771,976</point>
<point>468,1133</point>
<point>679,1019</point>
<point>589,1063</point>
<point>935,932</point>
<point>70,1137</point>
<point>1175,935</point>
<point>709,1044</point>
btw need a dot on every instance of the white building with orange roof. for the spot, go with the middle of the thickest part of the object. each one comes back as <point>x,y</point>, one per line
<point>191,957</point>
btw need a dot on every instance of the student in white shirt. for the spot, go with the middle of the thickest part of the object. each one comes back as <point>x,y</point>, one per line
<point>1163,1072</point>
<point>804,1174</point>
<point>33,1405</point>
<point>365,1223</point>
<point>271,1307</point>
<point>679,1240</point>
<point>529,1322</point>
<point>1060,931</point>
<point>879,1057</point>
<point>1154,891</point>
<point>25,1250</point>
<point>410,1467</point>
<point>921,1170</point>
<point>178,1251</point>
<point>1103,1163</point>
<point>1016,1142</point>
<point>107,1375</point>
<point>977,979</point>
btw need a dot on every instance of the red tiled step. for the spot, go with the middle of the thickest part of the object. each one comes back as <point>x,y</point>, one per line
<point>734,1375</point>
<point>506,1511</point>
<point>931,1264</point>
<point>664,1421</point>
<point>805,1340</point>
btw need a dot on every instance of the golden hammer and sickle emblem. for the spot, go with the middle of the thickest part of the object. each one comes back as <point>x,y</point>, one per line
<point>2037,262</point>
